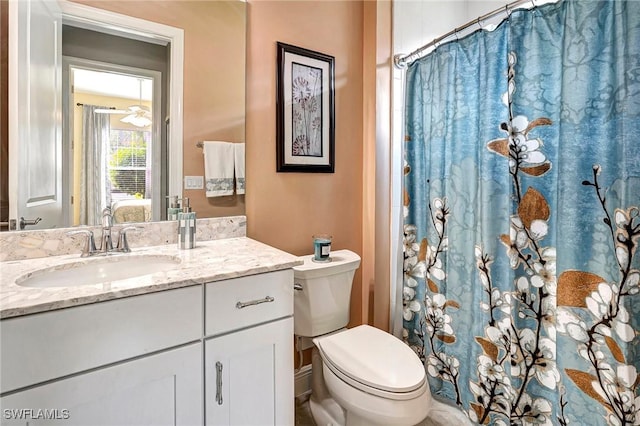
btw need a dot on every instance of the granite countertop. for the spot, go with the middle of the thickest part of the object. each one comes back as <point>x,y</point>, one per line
<point>209,261</point>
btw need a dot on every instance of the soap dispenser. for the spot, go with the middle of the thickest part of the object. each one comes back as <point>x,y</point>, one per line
<point>186,226</point>
<point>174,207</point>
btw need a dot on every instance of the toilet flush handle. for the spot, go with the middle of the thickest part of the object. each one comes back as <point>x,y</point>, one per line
<point>297,286</point>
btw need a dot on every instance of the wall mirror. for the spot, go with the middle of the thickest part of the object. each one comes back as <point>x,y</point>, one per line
<point>47,177</point>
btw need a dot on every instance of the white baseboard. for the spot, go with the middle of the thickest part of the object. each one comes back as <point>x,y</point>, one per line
<point>302,380</point>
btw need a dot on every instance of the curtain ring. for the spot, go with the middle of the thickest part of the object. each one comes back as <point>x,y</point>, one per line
<point>479,24</point>
<point>455,33</point>
<point>507,11</point>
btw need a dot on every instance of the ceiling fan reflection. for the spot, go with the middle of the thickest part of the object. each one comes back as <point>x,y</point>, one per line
<point>137,115</point>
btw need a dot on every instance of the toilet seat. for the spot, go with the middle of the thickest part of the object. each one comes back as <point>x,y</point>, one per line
<point>374,362</point>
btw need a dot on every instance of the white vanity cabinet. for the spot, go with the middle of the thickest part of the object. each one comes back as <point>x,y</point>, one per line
<point>217,354</point>
<point>41,347</point>
<point>248,361</point>
<point>130,361</point>
<point>249,376</point>
<point>161,389</point>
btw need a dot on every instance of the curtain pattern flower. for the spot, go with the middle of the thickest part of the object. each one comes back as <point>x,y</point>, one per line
<point>522,218</point>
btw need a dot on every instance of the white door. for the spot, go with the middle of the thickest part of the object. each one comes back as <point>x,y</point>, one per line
<point>249,376</point>
<point>35,112</point>
<point>162,389</point>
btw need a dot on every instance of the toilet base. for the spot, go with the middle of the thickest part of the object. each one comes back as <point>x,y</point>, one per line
<point>324,409</point>
<point>329,412</point>
<point>326,412</point>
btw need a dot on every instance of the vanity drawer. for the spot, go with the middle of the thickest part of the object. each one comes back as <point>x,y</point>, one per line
<point>40,347</point>
<point>242,302</point>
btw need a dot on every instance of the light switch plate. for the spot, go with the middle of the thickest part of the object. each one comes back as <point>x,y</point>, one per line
<point>194,182</point>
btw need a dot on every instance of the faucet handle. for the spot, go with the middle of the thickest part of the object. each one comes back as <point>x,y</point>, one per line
<point>123,244</point>
<point>90,243</point>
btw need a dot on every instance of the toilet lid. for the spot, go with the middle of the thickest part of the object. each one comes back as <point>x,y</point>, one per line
<point>374,358</point>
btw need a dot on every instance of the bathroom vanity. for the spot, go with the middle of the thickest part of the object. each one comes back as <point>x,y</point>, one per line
<point>206,342</point>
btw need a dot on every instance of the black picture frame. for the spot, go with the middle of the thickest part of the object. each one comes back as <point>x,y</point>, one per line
<point>305,110</point>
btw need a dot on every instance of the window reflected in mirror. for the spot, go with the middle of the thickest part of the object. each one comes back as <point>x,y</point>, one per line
<point>113,145</point>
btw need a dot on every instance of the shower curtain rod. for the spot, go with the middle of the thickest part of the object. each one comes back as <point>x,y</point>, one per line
<point>402,61</point>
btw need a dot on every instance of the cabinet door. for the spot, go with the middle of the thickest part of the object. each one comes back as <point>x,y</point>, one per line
<point>161,389</point>
<point>249,376</point>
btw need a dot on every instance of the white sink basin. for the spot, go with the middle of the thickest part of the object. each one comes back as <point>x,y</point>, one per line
<point>97,271</point>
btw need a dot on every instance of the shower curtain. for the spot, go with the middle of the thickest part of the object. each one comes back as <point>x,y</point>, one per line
<point>522,219</point>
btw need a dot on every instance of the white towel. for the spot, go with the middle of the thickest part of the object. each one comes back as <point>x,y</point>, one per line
<point>239,157</point>
<point>218,168</point>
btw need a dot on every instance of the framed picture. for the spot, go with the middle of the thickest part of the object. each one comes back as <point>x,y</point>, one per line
<point>305,126</point>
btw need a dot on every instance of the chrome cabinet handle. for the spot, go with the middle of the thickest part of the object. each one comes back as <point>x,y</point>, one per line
<point>219,382</point>
<point>267,299</point>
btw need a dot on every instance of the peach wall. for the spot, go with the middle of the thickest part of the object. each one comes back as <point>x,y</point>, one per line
<point>286,209</point>
<point>214,38</point>
<point>283,209</point>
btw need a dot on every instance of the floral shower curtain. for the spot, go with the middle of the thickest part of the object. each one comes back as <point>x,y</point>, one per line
<point>522,217</point>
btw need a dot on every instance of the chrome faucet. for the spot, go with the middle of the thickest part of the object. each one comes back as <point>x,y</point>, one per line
<point>106,244</point>
<point>106,241</point>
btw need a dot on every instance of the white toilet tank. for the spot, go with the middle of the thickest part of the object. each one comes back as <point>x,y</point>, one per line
<point>323,293</point>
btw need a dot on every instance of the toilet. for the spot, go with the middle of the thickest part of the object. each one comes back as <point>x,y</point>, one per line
<point>362,375</point>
